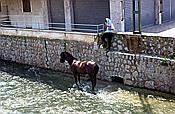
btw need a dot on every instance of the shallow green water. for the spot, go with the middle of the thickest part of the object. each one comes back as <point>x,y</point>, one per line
<point>25,89</point>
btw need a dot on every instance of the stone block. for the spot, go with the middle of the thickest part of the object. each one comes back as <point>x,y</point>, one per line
<point>150,84</point>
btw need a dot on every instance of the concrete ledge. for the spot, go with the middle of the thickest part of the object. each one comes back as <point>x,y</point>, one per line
<point>50,34</point>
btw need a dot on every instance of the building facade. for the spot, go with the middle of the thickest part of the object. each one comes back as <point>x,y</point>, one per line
<point>24,13</point>
<point>69,14</point>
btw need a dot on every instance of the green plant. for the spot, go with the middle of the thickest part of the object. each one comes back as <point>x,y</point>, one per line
<point>164,62</point>
<point>173,56</point>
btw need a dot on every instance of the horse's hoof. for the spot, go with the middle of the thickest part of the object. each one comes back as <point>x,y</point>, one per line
<point>79,89</point>
<point>93,92</point>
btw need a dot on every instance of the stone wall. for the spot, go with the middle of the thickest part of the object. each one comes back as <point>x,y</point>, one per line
<point>140,69</point>
<point>142,44</point>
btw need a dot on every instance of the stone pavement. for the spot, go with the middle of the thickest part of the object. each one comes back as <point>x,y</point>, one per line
<point>165,29</point>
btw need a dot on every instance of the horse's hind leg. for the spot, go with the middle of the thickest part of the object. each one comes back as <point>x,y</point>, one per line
<point>94,77</point>
<point>93,84</point>
<point>93,81</point>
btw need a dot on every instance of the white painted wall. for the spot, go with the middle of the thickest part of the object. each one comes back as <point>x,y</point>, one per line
<point>36,18</point>
<point>117,14</point>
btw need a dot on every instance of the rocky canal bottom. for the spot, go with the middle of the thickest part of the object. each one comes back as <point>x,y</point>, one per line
<point>26,89</point>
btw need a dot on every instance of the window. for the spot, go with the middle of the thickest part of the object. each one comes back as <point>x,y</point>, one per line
<point>26,5</point>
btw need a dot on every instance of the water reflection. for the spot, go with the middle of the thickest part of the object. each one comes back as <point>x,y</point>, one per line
<point>26,89</point>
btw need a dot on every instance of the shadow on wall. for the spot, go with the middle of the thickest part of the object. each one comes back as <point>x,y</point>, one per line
<point>133,43</point>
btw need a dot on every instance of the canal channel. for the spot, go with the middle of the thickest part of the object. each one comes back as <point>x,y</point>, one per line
<point>26,89</point>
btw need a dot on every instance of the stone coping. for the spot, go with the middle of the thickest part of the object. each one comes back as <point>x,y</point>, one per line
<point>63,35</point>
<point>49,34</point>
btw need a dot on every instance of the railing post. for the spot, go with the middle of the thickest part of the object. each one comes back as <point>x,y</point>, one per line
<point>97,28</point>
<point>38,26</point>
<point>16,24</point>
<point>103,27</point>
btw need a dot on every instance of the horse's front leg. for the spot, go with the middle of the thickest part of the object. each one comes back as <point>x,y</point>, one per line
<point>79,78</point>
<point>76,82</point>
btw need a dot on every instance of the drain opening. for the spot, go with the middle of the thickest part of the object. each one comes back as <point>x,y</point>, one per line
<point>117,79</point>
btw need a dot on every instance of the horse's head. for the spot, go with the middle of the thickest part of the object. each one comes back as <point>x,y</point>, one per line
<point>63,58</point>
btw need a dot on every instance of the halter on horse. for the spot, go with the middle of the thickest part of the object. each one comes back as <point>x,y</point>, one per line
<point>81,67</point>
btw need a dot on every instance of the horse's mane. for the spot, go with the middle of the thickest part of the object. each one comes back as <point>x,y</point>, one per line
<point>70,55</point>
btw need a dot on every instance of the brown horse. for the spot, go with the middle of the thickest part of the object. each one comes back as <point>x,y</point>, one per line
<point>81,67</point>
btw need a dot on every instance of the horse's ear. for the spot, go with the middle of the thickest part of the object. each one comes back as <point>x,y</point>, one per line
<point>62,54</point>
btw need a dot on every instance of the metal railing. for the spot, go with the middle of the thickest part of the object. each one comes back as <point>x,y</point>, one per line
<point>14,21</point>
<point>97,28</point>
